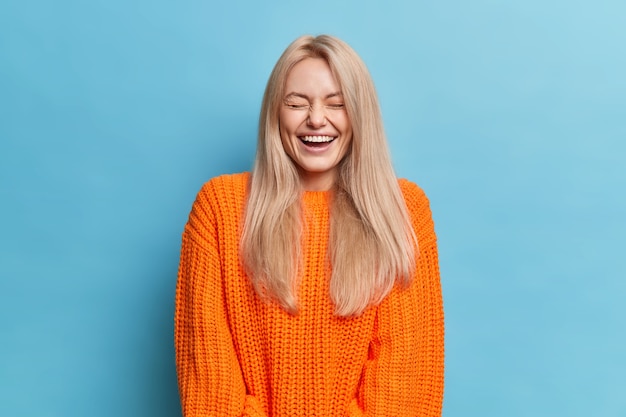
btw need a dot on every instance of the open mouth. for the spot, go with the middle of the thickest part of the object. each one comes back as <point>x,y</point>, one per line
<point>317,141</point>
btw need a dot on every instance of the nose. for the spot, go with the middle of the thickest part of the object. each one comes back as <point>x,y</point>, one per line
<point>317,116</point>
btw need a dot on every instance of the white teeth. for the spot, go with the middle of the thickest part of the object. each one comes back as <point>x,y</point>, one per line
<point>317,139</point>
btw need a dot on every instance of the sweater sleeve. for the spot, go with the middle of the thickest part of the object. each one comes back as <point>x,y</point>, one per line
<point>403,375</point>
<point>209,375</point>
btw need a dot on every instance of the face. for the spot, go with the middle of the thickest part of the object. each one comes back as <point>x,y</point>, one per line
<point>314,125</point>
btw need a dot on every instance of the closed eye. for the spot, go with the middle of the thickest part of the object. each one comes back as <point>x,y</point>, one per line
<point>297,106</point>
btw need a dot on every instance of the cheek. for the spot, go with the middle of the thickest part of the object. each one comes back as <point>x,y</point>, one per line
<point>288,122</point>
<point>345,124</point>
<point>285,140</point>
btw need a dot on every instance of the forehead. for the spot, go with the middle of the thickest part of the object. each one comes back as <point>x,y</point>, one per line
<point>311,75</point>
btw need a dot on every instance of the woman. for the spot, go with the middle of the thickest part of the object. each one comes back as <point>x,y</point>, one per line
<point>310,287</point>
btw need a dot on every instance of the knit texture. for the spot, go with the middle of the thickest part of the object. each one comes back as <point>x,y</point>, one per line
<point>239,356</point>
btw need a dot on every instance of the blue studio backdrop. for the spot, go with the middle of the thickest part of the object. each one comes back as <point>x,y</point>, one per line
<point>511,115</point>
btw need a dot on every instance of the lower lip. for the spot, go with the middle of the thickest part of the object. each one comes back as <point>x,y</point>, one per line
<point>317,148</point>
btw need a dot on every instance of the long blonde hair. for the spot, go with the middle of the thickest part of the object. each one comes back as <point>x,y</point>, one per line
<point>372,243</point>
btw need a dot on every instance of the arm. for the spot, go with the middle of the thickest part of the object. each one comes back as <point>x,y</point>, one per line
<point>209,376</point>
<point>403,375</point>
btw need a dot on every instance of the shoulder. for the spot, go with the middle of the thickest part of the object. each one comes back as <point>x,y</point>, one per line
<point>219,201</point>
<point>224,190</point>
<point>226,184</point>
<point>414,196</point>
<point>418,205</point>
<point>224,193</point>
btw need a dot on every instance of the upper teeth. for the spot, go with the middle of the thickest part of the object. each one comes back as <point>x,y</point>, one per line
<point>317,138</point>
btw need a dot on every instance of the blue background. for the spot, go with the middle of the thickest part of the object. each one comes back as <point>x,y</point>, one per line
<point>511,115</point>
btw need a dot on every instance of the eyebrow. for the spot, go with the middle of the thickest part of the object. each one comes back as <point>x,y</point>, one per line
<point>304,96</point>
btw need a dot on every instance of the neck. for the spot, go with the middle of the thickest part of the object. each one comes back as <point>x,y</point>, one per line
<point>317,181</point>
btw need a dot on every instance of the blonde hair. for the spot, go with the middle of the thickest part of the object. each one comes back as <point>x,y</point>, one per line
<point>372,243</point>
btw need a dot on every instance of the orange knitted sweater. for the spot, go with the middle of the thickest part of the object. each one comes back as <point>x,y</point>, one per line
<point>238,356</point>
